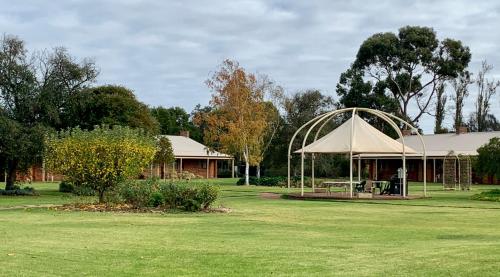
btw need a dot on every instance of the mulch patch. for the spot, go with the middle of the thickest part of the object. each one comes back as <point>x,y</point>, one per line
<point>123,208</point>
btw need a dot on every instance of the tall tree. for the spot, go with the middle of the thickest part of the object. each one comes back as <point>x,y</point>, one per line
<point>298,109</point>
<point>441,99</point>
<point>488,160</point>
<point>34,93</point>
<point>274,96</point>
<point>110,105</point>
<point>486,89</point>
<point>355,92</point>
<point>461,88</point>
<point>411,64</point>
<point>199,117</point>
<point>175,119</point>
<point>238,120</point>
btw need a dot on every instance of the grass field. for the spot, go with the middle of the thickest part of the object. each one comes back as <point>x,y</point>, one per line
<point>445,235</point>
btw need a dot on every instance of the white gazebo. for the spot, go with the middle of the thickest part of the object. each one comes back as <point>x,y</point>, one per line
<point>354,137</point>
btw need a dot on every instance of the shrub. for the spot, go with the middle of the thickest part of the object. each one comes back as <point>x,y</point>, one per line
<point>273,181</point>
<point>488,160</point>
<point>492,195</point>
<point>252,180</point>
<point>207,194</point>
<point>138,193</point>
<point>225,173</point>
<point>171,193</point>
<point>83,190</point>
<point>101,159</point>
<point>151,193</point>
<point>26,191</point>
<point>66,186</point>
<point>156,199</point>
<point>191,197</point>
<point>265,181</point>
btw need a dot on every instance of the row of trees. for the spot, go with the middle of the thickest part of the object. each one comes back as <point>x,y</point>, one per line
<point>410,74</point>
<point>49,90</point>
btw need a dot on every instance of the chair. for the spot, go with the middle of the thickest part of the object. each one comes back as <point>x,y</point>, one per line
<point>368,186</point>
<point>361,186</point>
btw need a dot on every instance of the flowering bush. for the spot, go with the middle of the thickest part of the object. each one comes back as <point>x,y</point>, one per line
<point>99,159</point>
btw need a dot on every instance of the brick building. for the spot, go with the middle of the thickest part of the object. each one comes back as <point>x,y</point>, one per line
<point>438,146</point>
<point>193,157</point>
<point>190,156</point>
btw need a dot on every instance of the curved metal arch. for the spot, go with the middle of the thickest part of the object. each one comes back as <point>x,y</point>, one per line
<point>329,115</point>
<point>319,120</point>
<point>354,111</point>
<point>293,139</point>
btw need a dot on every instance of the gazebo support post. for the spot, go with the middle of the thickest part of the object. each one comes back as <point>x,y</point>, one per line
<point>313,157</point>
<point>302,174</point>
<point>434,170</point>
<point>350,150</point>
<point>359,168</point>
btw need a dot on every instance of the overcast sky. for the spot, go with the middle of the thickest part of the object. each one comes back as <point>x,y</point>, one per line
<point>165,50</point>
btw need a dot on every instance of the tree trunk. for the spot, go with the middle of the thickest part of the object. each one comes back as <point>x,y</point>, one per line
<point>101,196</point>
<point>11,174</point>
<point>258,171</point>
<point>247,173</point>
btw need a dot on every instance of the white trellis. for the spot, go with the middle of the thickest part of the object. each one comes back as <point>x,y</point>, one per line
<point>324,118</point>
<point>457,171</point>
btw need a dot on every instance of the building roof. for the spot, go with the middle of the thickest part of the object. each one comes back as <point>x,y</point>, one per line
<point>185,147</point>
<point>365,139</point>
<point>439,145</point>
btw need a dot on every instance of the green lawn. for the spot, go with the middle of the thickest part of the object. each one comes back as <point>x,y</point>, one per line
<point>446,235</point>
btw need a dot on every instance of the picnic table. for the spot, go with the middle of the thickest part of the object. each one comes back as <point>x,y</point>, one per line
<point>337,184</point>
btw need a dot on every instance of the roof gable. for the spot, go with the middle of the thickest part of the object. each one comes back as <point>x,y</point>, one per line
<point>187,147</point>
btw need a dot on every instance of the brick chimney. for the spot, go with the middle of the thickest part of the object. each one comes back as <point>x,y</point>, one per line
<point>184,133</point>
<point>462,130</point>
<point>406,132</point>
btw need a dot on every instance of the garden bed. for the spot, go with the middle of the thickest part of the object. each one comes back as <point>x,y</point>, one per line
<point>126,208</point>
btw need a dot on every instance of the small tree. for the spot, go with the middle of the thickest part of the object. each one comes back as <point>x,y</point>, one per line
<point>99,159</point>
<point>488,160</point>
<point>238,120</point>
<point>441,99</point>
<point>486,89</point>
<point>164,152</point>
<point>461,87</point>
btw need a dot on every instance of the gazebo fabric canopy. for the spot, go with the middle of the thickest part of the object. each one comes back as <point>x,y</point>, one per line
<point>366,139</point>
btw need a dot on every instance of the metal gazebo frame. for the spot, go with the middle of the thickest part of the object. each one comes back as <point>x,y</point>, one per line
<point>387,117</point>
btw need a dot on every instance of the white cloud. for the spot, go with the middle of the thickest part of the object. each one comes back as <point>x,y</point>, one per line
<point>165,50</point>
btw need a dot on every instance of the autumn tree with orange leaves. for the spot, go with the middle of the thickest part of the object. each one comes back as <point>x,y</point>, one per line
<point>238,120</point>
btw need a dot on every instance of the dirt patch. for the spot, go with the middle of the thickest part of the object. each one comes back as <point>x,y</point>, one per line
<point>270,195</point>
<point>29,207</point>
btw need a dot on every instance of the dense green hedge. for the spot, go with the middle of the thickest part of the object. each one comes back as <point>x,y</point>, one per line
<point>163,195</point>
<point>68,187</point>
<point>492,195</point>
<point>26,191</point>
<point>275,181</point>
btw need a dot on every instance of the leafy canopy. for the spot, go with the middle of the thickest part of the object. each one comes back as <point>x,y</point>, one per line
<point>35,92</point>
<point>238,120</point>
<point>164,152</point>
<point>410,65</point>
<point>110,105</point>
<point>99,159</point>
<point>488,161</point>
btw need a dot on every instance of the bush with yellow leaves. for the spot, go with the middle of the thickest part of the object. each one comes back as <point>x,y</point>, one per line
<point>99,159</point>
